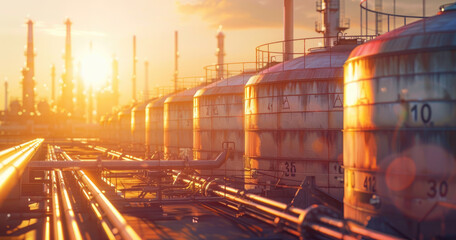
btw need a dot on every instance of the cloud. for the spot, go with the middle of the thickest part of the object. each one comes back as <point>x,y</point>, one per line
<point>59,30</point>
<point>245,14</point>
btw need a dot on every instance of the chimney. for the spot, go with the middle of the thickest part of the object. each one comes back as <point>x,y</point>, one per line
<point>288,29</point>
<point>6,97</point>
<point>53,82</point>
<point>176,57</point>
<point>28,73</point>
<point>68,85</point>
<point>133,79</point>
<point>333,21</point>
<point>115,81</point>
<point>220,53</point>
<point>146,81</point>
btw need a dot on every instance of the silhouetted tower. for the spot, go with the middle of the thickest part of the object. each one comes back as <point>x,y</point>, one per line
<point>90,107</point>
<point>68,86</point>
<point>378,17</point>
<point>176,58</point>
<point>80,97</point>
<point>28,73</point>
<point>115,81</point>
<point>6,96</point>
<point>288,29</point>
<point>333,22</point>
<point>53,82</point>
<point>146,81</point>
<point>133,79</point>
<point>220,52</point>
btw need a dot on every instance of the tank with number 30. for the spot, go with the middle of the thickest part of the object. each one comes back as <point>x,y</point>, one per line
<point>400,130</point>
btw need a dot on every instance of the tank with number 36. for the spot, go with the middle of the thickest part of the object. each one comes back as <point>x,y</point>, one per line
<point>400,130</point>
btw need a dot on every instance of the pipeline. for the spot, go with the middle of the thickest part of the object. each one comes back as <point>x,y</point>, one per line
<point>70,218</point>
<point>13,165</point>
<point>316,219</point>
<point>132,164</point>
<point>125,230</point>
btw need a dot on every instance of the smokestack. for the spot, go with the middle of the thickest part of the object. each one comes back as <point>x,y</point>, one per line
<point>90,107</point>
<point>28,73</point>
<point>68,85</point>
<point>220,52</point>
<point>53,82</point>
<point>80,97</point>
<point>333,22</point>
<point>146,81</point>
<point>378,18</point>
<point>6,96</point>
<point>133,79</point>
<point>115,80</point>
<point>176,57</point>
<point>288,29</point>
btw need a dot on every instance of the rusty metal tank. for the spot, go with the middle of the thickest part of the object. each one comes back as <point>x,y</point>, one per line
<point>138,127</point>
<point>154,128</point>
<point>218,120</point>
<point>124,127</point>
<point>293,118</point>
<point>400,130</point>
<point>178,124</point>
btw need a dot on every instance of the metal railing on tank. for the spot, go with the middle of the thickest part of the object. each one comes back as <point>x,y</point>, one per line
<point>369,8</point>
<point>217,72</point>
<point>270,54</point>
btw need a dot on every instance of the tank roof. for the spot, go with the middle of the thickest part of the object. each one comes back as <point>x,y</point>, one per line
<point>319,63</point>
<point>142,106</point>
<point>158,102</point>
<point>234,84</point>
<point>125,110</point>
<point>433,32</point>
<point>184,96</point>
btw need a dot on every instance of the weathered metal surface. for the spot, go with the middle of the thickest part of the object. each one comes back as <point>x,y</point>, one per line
<point>400,129</point>
<point>124,127</point>
<point>293,122</point>
<point>218,118</point>
<point>178,124</point>
<point>154,126</point>
<point>138,126</point>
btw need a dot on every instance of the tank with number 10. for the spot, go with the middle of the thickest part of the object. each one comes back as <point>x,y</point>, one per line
<point>400,129</point>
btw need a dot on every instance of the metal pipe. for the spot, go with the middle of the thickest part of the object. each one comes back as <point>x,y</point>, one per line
<point>7,152</point>
<point>70,218</point>
<point>129,165</point>
<point>125,230</point>
<point>56,216</point>
<point>12,167</point>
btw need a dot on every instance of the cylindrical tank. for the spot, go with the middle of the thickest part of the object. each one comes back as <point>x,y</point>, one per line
<point>112,129</point>
<point>154,128</point>
<point>218,124</point>
<point>103,129</point>
<point>178,124</point>
<point>124,128</point>
<point>138,127</point>
<point>293,120</point>
<point>400,130</point>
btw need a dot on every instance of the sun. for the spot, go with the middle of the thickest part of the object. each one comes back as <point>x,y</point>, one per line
<point>94,69</point>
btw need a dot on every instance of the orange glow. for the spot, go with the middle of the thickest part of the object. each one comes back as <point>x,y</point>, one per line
<point>400,174</point>
<point>95,68</point>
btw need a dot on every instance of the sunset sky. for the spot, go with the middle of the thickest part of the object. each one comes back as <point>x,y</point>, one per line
<point>110,25</point>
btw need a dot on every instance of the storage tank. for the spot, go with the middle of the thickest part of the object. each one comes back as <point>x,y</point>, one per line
<point>124,128</point>
<point>218,119</point>
<point>138,127</point>
<point>178,124</point>
<point>293,117</point>
<point>154,128</point>
<point>112,127</point>
<point>400,130</point>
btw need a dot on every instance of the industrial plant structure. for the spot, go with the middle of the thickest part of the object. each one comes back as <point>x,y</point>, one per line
<point>328,137</point>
